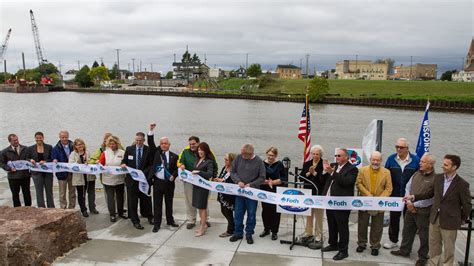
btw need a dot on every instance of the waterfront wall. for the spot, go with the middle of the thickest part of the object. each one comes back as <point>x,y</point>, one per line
<point>440,105</point>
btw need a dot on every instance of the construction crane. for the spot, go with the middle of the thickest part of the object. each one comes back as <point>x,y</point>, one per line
<point>39,51</point>
<point>3,48</point>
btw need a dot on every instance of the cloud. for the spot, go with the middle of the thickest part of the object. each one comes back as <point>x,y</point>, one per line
<point>271,32</point>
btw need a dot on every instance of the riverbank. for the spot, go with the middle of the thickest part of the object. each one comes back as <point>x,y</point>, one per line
<point>439,105</point>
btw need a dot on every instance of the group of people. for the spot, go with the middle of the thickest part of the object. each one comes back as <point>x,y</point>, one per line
<point>436,205</point>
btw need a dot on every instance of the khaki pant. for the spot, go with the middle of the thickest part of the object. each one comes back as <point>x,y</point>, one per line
<point>63,186</point>
<point>439,238</point>
<point>188,199</point>
<point>376,229</point>
<point>315,221</point>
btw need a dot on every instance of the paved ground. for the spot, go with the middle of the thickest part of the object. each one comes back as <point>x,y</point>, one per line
<point>121,244</point>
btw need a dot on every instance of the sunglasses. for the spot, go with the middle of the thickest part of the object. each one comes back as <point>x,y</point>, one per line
<point>338,155</point>
<point>400,147</point>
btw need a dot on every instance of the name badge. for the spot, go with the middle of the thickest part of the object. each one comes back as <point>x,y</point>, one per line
<point>130,157</point>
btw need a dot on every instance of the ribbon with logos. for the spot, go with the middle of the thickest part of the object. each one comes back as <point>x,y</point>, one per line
<point>297,201</point>
<point>90,169</point>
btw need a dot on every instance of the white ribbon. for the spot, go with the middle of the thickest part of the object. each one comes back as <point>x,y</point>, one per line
<point>90,169</point>
<point>299,201</point>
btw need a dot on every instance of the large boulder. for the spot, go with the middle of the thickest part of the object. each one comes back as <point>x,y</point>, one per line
<point>36,236</point>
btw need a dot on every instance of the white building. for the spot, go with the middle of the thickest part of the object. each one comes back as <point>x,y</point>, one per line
<point>465,76</point>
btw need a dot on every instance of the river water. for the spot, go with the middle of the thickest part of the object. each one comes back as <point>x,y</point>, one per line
<point>226,124</point>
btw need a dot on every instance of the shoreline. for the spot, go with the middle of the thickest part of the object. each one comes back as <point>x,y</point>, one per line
<point>435,105</point>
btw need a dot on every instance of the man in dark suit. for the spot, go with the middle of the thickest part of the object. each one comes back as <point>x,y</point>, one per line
<point>450,209</point>
<point>341,178</point>
<point>136,156</point>
<point>17,179</point>
<point>162,174</point>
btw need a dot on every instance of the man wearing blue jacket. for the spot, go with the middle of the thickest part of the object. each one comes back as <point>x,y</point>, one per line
<point>60,154</point>
<point>402,165</point>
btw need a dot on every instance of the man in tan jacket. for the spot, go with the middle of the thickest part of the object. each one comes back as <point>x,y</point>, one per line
<point>373,181</point>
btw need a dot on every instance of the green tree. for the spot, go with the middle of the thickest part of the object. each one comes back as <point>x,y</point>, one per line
<point>169,75</point>
<point>47,69</point>
<point>4,77</point>
<point>195,59</point>
<point>318,87</point>
<point>95,64</point>
<point>186,57</point>
<point>448,75</point>
<point>99,74</point>
<point>29,75</point>
<point>83,78</point>
<point>114,73</point>
<point>254,70</point>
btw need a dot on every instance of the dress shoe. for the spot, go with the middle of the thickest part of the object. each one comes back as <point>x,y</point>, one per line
<point>190,226</point>
<point>399,253</point>
<point>249,240</point>
<point>150,220</point>
<point>173,224</point>
<point>156,228</point>
<point>315,245</point>
<point>274,236</point>
<point>85,214</point>
<point>235,238</point>
<point>138,226</point>
<point>264,233</point>
<point>94,211</point>
<point>225,234</point>
<point>360,249</point>
<point>340,256</point>
<point>374,252</point>
<point>113,219</point>
<point>330,248</point>
<point>390,245</point>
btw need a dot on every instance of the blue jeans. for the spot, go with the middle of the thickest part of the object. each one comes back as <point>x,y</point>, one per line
<point>241,206</point>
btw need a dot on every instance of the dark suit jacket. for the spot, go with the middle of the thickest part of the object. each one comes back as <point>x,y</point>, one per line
<point>33,154</point>
<point>317,179</point>
<point>132,162</point>
<point>454,207</point>
<point>342,182</point>
<point>9,154</point>
<point>172,166</point>
<point>206,168</point>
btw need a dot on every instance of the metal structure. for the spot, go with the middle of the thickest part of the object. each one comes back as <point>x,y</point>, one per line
<point>3,48</point>
<point>39,51</point>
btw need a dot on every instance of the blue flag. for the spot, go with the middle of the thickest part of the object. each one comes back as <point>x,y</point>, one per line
<point>424,139</point>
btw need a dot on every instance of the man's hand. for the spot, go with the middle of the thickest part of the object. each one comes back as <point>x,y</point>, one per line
<point>172,178</point>
<point>13,170</point>
<point>329,169</point>
<point>247,185</point>
<point>123,165</point>
<point>33,161</point>
<point>241,184</point>
<point>183,167</point>
<point>55,161</point>
<point>411,207</point>
<point>409,198</point>
<point>43,162</point>
<point>152,126</point>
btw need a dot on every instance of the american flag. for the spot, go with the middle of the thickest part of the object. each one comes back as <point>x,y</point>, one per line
<point>304,132</point>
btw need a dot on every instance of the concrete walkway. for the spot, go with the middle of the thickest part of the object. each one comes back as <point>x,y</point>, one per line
<point>121,244</point>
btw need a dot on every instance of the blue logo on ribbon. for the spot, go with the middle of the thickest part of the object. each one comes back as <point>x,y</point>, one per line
<point>330,203</point>
<point>220,188</point>
<point>184,175</point>
<point>357,203</point>
<point>44,167</point>
<point>75,168</point>
<point>134,174</point>
<point>381,203</point>
<point>262,196</point>
<point>308,202</point>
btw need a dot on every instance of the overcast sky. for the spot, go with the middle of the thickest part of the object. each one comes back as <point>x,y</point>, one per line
<point>271,32</point>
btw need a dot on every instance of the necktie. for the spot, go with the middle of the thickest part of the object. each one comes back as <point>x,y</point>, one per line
<point>139,158</point>
<point>16,150</point>
<point>165,165</point>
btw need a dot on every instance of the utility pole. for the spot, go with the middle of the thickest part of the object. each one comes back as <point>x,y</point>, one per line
<point>307,65</point>
<point>247,62</point>
<point>151,64</point>
<point>78,65</point>
<point>118,64</point>
<point>357,57</point>
<point>5,69</point>
<point>205,59</point>
<point>140,65</point>
<point>24,66</point>
<point>174,55</point>
<point>60,68</point>
<point>411,65</point>
<point>133,65</point>
<point>128,67</point>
